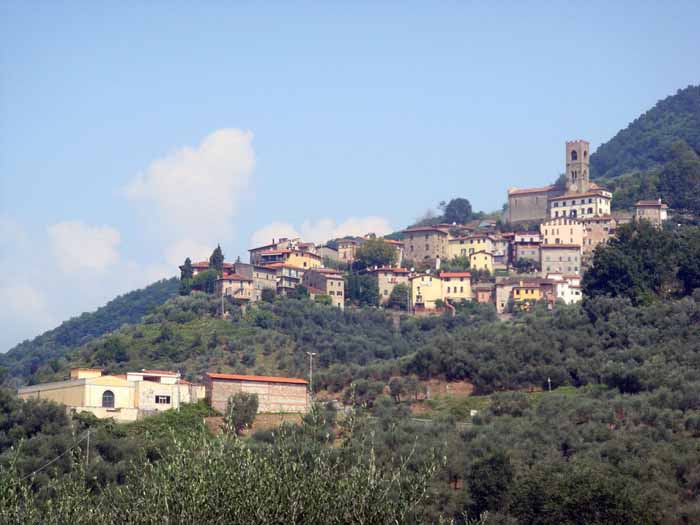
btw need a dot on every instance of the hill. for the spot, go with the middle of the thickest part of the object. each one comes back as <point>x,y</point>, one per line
<point>646,142</point>
<point>29,356</point>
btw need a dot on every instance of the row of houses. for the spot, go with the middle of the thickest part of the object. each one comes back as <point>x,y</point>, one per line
<point>134,395</point>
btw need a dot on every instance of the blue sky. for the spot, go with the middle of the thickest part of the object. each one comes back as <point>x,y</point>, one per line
<point>133,134</point>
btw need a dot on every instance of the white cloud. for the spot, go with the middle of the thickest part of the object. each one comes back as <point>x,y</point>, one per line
<point>196,190</point>
<point>274,230</point>
<point>321,230</point>
<point>78,246</point>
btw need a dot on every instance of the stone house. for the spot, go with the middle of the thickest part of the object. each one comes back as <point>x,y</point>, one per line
<point>329,282</point>
<point>262,277</point>
<point>387,279</point>
<point>425,244</point>
<point>275,394</point>
<point>654,211</point>
<point>597,230</point>
<point>562,258</point>
<point>236,287</point>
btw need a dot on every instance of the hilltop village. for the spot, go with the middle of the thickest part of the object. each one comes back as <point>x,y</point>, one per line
<point>537,252</point>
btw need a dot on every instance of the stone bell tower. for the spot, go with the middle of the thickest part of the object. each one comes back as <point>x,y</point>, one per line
<point>577,166</point>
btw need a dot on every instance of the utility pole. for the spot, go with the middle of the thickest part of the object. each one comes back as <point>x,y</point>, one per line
<point>311,371</point>
<point>87,450</point>
<point>549,383</point>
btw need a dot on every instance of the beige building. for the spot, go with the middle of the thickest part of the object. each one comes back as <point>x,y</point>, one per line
<point>562,258</point>
<point>456,286</point>
<point>481,261</point>
<point>124,397</point>
<point>275,394</point>
<point>562,231</point>
<point>526,250</point>
<point>288,277</point>
<point>236,287</point>
<point>387,279</point>
<point>326,252</point>
<point>425,244</point>
<point>329,282</point>
<point>465,246</point>
<point>282,244</point>
<point>567,288</point>
<point>656,212</point>
<point>581,205</point>
<point>597,230</point>
<point>261,276</point>
<point>347,250</point>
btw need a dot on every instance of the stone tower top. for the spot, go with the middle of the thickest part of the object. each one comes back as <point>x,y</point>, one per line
<point>577,166</point>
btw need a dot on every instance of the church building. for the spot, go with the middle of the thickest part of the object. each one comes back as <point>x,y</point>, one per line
<point>579,199</point>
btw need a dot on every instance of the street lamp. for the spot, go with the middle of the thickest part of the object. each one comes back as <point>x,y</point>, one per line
<point>311,371</point>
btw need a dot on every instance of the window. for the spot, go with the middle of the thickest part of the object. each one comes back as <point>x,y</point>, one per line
<point>386,292</point>
<point>574,155</point>
<point>108,399</point>
<point>162,400</point>
<point>461,288</point>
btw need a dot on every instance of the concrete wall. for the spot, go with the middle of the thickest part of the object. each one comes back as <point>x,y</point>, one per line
<point>530,206</point>
<point>71,393</point>
<point>562,259</point>
<point>562,231</point>
<point>272,397</point>
<point>425,245</point>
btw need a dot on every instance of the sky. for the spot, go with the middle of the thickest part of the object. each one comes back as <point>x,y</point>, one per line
<point>135,134</point>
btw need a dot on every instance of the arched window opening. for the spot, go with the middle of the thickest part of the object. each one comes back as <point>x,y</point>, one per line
<point>108,399</point>
<point>574,155</point>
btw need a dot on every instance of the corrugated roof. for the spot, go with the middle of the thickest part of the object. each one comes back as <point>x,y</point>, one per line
<point>262,379</point>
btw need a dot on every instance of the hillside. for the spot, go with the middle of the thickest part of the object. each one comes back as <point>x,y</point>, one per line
<point>29,356</point>
<point>646,142</point>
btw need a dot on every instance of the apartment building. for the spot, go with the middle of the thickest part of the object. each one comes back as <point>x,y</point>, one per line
<point>329,282</point>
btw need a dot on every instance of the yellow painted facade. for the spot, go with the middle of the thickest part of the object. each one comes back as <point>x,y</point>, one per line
<point>481,261</point>
<point>425,290</point>
<point>465,246</point>
<point>303,260</point>
<point>457,289</point>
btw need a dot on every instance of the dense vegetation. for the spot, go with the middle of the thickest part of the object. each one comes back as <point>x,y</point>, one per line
<point>28,356</point>
<point>646,143</point>
<point>657,155</point>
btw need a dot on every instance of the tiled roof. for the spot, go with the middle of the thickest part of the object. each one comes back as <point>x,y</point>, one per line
<point>516,191</point>
<point>455,274</point>
<point>656,203</point>
<point>425,229</point>
<point>595,193</point>
<point>552,246</point>
<point>233,277</point>
<point>386,269</point>
<point>262,379</point>
<point>392,241</point>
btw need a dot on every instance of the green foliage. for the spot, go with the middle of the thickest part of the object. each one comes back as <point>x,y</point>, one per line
<point>186,272</point>
<point>300,292</point>
<point>241,410</point>
<point>457,211</point>
<point>375,252</point>
<point>205,281</point>
<point>216,260</point>
<point>646,143</point>
<point>268,295</point>
<point>679,182</point>
<point>324,299</point>
<point>399,297</point>
<point>456,264</point>
<point>489,481</point>
<point>362,289</point>
<point>643,262</point>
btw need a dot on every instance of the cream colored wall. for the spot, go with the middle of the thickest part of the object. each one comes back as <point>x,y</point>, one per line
<point>386,282</point>
<point>460,247</point>
<point>428,288</point>
<point>122,415</point>
<point>457,290</point>
<point>562,231</point>
<point>481,261</point>
<point>70,393</point>
<point>146,392</point>
<point>599,205</point>
<point>303,260</point>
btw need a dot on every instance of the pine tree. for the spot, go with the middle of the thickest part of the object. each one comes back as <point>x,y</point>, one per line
<point>186,271</point>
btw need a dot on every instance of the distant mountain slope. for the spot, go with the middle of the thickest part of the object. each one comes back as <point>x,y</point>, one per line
<point>125,309</point>
<point>646,143</point>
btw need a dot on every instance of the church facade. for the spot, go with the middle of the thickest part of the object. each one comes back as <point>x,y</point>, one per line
<point>579,199</point>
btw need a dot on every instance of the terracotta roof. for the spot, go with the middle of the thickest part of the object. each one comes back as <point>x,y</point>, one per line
<point>425,229</point>
<point>516,191</point>
<point>275,252</point>
<point>276,265</point>
<point>234,277</point>
<point>552,246</point>
<point>316,291</point>
<point>392,241</point>
<point>455,274</point>
<point>651,203</point>
<point>200,264</point>
<point>262,379</point>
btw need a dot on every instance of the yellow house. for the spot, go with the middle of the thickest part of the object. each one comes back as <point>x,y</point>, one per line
<point>300,259</point>
<point>465,246</point>
<point>456,286</point>
<point>481,261</point>
<point>425,290</point>
<point>124,397</point>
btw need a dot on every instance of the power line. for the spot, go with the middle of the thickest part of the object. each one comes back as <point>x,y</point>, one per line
<point>59,456</point>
